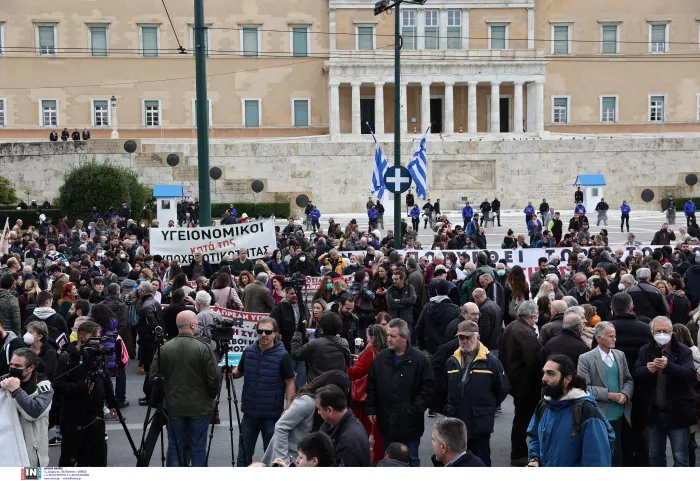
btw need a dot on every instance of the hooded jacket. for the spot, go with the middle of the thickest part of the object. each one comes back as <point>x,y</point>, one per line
<point>602,306</point>
<point>9,312</point>
<point>324,354</point>
<point>33,401</point>
<point>433,321</point>
<point>54,321</point>
<point>550,438</point>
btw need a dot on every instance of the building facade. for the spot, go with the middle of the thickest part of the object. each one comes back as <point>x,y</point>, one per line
<point>316,67</point>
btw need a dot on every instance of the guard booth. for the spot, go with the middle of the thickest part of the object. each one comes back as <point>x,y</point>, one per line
<point>166,203</point>
<point>592,188</point>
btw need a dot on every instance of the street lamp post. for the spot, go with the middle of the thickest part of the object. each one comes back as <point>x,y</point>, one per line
<point>113,104</point>
<point>380,7</point>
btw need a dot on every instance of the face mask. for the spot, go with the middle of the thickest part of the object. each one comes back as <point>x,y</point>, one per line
<point>302,258</point>
<point>28,338</point>
<point>551,295</point>
<point>16,372</point>
<point>662,338</point>
<point>621,287</point>
<point>501,272</point>
<point>329,286</point>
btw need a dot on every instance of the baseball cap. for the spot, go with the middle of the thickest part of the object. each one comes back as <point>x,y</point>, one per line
<point>467,328</point>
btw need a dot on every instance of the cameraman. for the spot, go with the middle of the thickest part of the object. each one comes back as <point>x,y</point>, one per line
<point>32,395</point>
<point>84,388</point>
<point>191,383</point>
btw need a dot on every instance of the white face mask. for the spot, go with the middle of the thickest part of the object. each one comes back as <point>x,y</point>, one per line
<point>551,295</point>
<point>662,338</point>
<point>28,338</point>
<point>302,258</point>
<point>621,287</point>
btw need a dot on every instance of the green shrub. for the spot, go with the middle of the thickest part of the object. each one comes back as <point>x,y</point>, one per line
<point>92,184</point>
<point>7,192</point>
<point>680,202</point>
<point>266,209</point>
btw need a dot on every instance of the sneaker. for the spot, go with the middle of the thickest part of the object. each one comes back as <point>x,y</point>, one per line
<point>140,371</point>
<point>431,414</point>
<point>106,437</point>
<point>55,441</point>
<point>143,401</point>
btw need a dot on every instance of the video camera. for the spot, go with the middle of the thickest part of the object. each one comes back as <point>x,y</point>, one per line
<point>223,330</point>
<point>296,281</point>
<point>93,354</point>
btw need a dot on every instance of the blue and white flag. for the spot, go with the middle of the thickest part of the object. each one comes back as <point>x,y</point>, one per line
<point>380,166</point>
<point>418,169</point>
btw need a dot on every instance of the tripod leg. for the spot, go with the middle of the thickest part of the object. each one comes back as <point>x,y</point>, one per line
<point>229,388</point>
<point>162,449</point>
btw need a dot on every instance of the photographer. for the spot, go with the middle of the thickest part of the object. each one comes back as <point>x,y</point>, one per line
<point>150,316</point>
<point>84,387</point>
<point>191,382</point>
<point>32,395</point>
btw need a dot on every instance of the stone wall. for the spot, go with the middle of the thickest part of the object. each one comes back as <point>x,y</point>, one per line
<point>336,175</point>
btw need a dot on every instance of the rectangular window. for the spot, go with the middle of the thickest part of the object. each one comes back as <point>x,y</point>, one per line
<point>301,113</point>
<point>560,113</point>
<point>98,41</point>
<point>2,38</point>
<point>657,38</point>
<point>206,40</point>
<point>431,30</point>
<point>408,29</point>
<point>49,113</point>
<point>454,29</point>
<point>608,109</point>
<point>497,37</point>
<point>149,41</point>
<point>609,39</point>
<point>365,38</point>
<point>100,113</point>
<point>2,113</point>
<point>300,42</point>
<point>47,39</point>
<point>560,40</point>
<point>151,113</point>
<point>657,108</point>
<point>251,113</point>
<point>194,112</point>
<point>250,42</point>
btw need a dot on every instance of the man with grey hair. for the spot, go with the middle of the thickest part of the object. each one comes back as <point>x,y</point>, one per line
<point>206,318</point>
<point>626,281</point>
<point>580,289</point>
<point>568,341</point>
<point>608,377</point>
<point>648,300</point>
<point>554,280</point>
<point>257,297</point>
<point>494,290</point>
<point>570,301</point>
<point>150,317</point>
<point>518,352</point>
<point>552,328</point>
<point>399,386</point>
<point>449,439</point>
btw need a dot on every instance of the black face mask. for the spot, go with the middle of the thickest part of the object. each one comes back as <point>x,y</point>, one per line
<point>555,392</point>
<point>16,372</point>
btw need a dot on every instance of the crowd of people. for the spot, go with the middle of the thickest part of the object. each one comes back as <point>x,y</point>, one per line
<point>598,351</point>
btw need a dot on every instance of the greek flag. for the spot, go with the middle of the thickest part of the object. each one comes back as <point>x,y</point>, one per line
<point>380,166</point>
<point>417,167</point>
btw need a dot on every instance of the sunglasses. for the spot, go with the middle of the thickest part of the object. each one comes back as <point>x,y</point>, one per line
<point>267,332</point>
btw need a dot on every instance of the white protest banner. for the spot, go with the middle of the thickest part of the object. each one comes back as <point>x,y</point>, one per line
<point>214,242</point>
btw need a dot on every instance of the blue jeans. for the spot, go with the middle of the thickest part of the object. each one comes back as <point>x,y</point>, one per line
<point>184,428</point>
<point>120,387</point>
<point>251,428</point>
<point>300,375</point>
<point>680,440</point>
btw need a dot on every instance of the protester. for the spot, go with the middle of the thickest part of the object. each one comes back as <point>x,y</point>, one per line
<point>449,439</point>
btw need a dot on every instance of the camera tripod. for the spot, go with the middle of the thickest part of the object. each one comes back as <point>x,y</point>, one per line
<point>157,422</point>
<point>223,347</point>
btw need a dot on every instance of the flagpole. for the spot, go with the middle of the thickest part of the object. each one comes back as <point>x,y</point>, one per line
<point>397,119</point>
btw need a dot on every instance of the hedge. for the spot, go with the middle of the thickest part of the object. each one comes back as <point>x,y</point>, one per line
<point>680,203</point>
<point>28,216</point>
<point>266,209</point>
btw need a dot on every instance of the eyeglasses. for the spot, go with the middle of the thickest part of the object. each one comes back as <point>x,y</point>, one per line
<point>267,332</point>
<point>669,332</point>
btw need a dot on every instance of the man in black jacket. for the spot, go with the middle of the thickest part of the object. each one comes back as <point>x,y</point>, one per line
<point>399,387</point>
<point>347,432</point>
<point>490,320</point>
<point>9,343</point>
<point>664,376</point>
<point>82,416</point>
<point>496,209</point>
<point>150,316</point>
<point>476,386</point>
<point>600,299</point>
<point>436,316</point>
<point>567,342</point>
<point>170,313</point>
<point>648,300</point>
<point>449,440</point>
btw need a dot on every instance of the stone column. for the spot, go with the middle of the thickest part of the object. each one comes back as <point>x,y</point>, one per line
<point>378,108</point>
<point>424,107</point>
<point>404,107</point>
<point>334,110</point>
<point>539,106</point>
<point>420,29</point>
<point>449,108</point>
<point>518,107</point>
<point>530,28</point>
<point>495,107</point>
<point>465,29</point>
<point>356,128</point>
<point>531,102</point>
<point>331,28</point>
<point>471,106</point>
<point>442,29</point>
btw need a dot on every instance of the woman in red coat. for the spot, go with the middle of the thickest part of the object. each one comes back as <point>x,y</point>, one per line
<point>376,341</point>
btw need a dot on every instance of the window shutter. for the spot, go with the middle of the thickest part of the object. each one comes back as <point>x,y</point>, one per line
<point>365,38</point>
<point>150,41</point>
<point>46,40</point>
<point>608,103</point>
<point>409,37</point>
<point>561,39</point>
<point>658,33</point>
<point>498,37</point>
<point>454,37</point>
<point>609,39</point>
<point>251,113</point>
<point>250,42</point>
<point>98,36</point>
<point>300,47</point>
<point>301,113</point>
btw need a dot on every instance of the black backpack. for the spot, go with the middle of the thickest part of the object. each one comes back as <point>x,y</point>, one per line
<point>581,412</point>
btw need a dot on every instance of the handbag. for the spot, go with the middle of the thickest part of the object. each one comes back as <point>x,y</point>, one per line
<point>359,387</point>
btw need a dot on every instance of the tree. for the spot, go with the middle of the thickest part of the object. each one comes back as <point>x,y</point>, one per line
<point>92,184</point>
<point>7,192</point>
